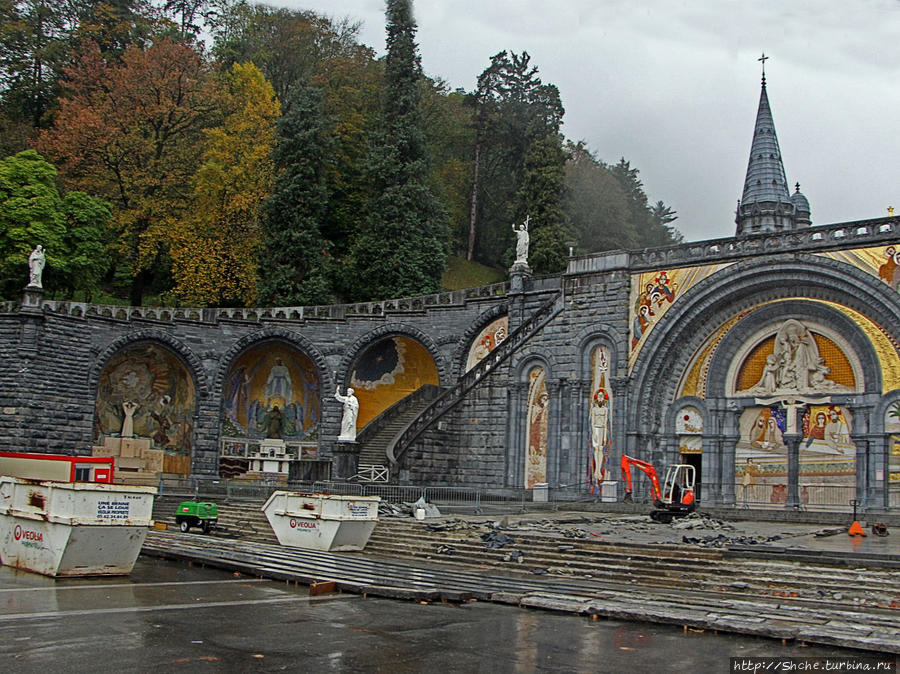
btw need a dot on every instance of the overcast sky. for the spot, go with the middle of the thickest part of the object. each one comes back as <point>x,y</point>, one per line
<point>673,86</point>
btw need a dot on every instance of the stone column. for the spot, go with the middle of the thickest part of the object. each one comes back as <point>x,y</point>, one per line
<point>730,437</point>
<point>792,440</point>
<point>345,460</point>
<point>518,279</point>
<point>569,445</point>
<point>579,430</point>
<point>31,300</point>
<point>710,457</point>
<point>518,274</point>
<point>515,448</point>
<point>868,489</point>
<point>553,433</point>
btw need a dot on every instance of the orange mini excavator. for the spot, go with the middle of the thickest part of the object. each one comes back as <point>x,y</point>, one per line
<point>675,499</point>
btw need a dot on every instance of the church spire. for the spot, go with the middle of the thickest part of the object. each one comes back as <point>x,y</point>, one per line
<point>766,204</point>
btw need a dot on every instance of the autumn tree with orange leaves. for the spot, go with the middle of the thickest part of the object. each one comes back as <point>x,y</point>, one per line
<point>130,131</point>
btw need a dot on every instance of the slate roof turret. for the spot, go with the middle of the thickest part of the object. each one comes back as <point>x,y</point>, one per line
<point>801,208</point>
<point>766,204</point>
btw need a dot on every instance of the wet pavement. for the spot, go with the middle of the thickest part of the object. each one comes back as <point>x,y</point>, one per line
<point>169,616</point>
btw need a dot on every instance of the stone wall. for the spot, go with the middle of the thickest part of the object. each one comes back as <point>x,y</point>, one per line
<point>52,356</point>
<point>54,352</point>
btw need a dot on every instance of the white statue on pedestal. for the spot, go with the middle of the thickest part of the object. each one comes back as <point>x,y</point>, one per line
<point>36,262</point>
<point>351,412</point>
<point>522,240</point>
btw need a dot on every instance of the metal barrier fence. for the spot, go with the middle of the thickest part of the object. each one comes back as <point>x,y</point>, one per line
<point>812,496</point>
<point>758,496</point>
<point>217,488</point>
<point>458,497</point>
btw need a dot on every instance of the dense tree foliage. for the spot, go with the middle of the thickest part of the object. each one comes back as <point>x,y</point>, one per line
<point>652,225</point>
<point>288,46</point>
<point>607,208</point>
<point>227,152</point>
<point>518,149</point>
<point>402,248</point>
<point>72,229</point>
<point>596,204</point>
<point>297,266</point>
<point>130,131</point>
<point>215,246</point>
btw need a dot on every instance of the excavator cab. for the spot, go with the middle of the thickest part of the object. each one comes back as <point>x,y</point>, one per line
<point>678,497</point>
<point>678,489</point>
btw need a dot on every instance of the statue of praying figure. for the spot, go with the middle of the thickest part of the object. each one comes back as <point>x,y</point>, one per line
<point>351,412</point>
<point>275,423</point>
<point>36,262</point>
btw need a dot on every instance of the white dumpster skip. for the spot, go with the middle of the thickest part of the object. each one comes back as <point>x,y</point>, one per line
<point>73,528</point>
<point>322,521</point>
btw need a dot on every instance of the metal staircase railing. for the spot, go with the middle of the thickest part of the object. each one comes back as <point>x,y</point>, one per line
<point>452,396</point>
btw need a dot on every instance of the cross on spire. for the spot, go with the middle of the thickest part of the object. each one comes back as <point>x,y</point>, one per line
<point>762,59</point>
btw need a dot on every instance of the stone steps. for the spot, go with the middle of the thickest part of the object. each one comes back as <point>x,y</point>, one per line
<point>374,451</point>
<point>665,566</point>
<point>839,623</point>
<point>236,520</point>
<point>618,565</point>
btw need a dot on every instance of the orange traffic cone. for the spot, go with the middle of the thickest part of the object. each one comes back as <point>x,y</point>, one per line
<point>856,529</point>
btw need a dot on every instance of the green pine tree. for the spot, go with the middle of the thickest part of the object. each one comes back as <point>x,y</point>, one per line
<point>402,249</point>
<point>540,198</point>
<point>296,267</point>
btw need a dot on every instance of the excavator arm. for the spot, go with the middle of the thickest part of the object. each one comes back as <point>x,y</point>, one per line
<point>627,463</point>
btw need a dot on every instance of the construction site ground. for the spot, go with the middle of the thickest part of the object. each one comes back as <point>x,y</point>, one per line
<point>698,530</point>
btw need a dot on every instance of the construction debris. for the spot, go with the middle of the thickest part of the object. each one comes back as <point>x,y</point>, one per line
<point>829,532</point>
<point>514,556</point>
<point>386,509</point>
<point>701,521</point>
<point>880,529</point>
<point>493,540</point>
<point>430,510</point>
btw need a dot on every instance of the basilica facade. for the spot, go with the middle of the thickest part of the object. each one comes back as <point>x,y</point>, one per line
<point>770,361</point>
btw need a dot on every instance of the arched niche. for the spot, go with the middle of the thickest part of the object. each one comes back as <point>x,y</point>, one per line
<point>388,371</point>
<point>267,376</point>
<point>145,411</point>
<point>600,404</point>
<point>538,423</point>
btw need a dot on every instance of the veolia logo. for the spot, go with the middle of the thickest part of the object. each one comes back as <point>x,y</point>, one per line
<point>302,524</point>
<point>19,533</point>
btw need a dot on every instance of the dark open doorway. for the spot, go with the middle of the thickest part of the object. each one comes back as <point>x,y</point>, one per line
<point>695,460</point>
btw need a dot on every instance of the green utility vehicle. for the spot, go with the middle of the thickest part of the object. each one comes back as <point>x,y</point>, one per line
<point>197,514</point>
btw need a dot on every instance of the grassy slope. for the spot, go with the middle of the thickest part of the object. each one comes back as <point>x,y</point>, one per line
<point>461,274</point>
